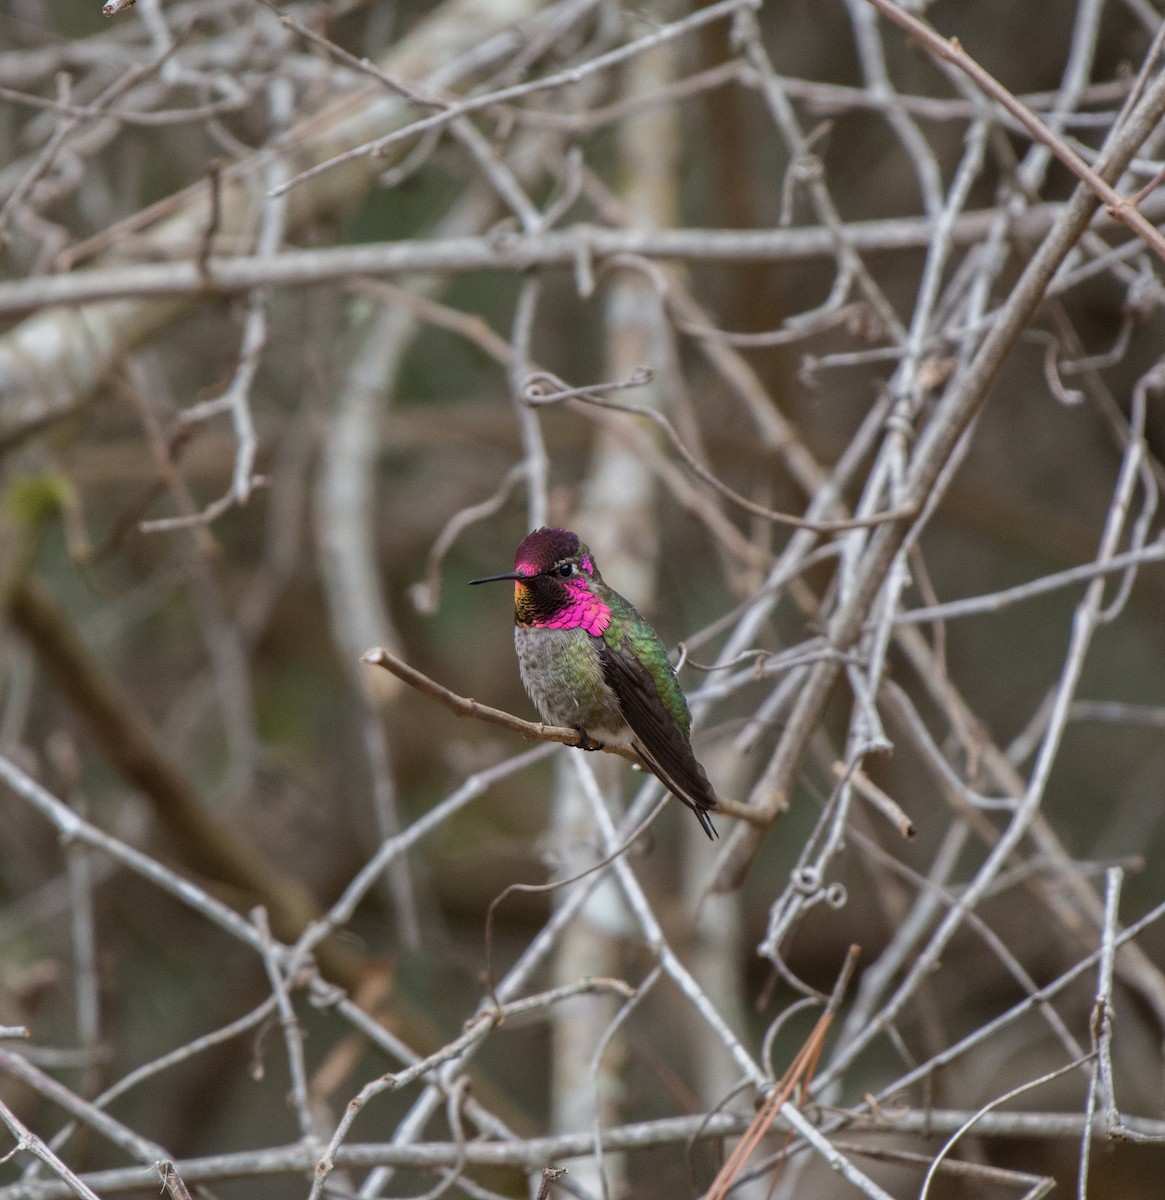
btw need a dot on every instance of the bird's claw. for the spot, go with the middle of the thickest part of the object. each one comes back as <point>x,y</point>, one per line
<point>585,741</point>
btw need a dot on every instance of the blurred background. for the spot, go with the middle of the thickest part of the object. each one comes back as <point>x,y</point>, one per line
<point>220,489</point>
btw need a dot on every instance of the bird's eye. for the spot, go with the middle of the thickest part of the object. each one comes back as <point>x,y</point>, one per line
<point>566,570</point>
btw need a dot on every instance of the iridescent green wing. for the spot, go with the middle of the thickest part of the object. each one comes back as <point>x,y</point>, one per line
<point>636,668</point>
<point>628,633</point>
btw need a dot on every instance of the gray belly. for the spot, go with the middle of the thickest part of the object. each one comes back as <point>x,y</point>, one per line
<point>562,674</point>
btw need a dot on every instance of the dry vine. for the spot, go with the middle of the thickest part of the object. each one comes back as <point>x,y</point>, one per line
<point>880,287</point>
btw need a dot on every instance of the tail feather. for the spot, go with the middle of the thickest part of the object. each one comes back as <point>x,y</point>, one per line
<point>701,799</point>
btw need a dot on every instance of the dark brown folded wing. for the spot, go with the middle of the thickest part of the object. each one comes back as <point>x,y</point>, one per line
<point>662,744</point>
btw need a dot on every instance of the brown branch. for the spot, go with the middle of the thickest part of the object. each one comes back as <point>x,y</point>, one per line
<point>532,731</point>
<point>465,706</point>
<point>799,1072</point>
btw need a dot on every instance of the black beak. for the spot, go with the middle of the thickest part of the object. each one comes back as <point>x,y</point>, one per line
<point>496,578</point>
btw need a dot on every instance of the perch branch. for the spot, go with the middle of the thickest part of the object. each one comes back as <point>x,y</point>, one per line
<point>532,731</point>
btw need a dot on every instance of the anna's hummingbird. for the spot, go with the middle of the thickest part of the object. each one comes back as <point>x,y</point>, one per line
<point>590,662</point>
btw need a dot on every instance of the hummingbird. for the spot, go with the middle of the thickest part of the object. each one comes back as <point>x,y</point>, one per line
<point>590,662</point>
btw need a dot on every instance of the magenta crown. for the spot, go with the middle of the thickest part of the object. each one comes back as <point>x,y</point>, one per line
<point>543,548</point>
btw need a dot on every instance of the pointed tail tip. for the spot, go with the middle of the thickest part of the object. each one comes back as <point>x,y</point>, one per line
<point>706,823</point>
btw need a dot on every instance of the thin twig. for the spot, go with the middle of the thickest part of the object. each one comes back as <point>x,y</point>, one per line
<point>1117,206</point>
<point>461,108</point>
<point>534,393</point>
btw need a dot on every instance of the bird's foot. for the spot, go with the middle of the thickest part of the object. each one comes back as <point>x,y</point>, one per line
<point>585,741</point>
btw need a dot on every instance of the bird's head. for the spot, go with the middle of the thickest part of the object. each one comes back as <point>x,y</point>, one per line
<point>555,580</point>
